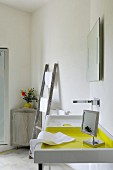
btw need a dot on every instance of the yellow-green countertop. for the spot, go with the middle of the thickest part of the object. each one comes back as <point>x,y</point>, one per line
<point>79,136</point>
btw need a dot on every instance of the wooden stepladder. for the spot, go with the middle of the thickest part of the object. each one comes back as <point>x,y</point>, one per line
<point>37,122</point>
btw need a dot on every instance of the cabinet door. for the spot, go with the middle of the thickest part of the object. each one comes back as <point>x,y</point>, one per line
<point>31,119</point>
<point>20,136</point>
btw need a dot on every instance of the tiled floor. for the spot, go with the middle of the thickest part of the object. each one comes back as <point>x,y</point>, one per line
<point>16,160</point>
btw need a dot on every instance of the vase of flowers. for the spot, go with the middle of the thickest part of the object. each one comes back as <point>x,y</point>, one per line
<point>29,96</point>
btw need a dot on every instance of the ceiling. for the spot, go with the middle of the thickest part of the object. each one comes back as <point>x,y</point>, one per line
<point>25,5</point>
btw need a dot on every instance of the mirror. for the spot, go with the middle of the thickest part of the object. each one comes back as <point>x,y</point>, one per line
<point>93,43</point>
<point>90,122</point>
<point>90,126</point>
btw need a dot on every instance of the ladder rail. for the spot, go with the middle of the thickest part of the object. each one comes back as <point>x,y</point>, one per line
<point>38,113</point>
<point>51,89</point>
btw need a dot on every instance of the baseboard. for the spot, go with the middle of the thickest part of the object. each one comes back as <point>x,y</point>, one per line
<point>5,148</point>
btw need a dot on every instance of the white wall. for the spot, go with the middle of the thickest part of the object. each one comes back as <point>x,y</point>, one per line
<point>104,89</point>
<point>15,34</point>
<point>59,34</point>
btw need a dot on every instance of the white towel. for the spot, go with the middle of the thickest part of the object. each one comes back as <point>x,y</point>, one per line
<point>48,78</point>
<point>43,104</point>
<point>34,142</point>
<point>50,139</point>
<point>54,139</point>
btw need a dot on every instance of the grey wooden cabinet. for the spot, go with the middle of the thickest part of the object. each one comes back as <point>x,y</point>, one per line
<point>22,121</point>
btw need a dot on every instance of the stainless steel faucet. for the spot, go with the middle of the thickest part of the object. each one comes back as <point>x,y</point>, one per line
<point>93,102</point>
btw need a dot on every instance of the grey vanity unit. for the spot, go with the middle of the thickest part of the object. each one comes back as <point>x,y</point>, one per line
<point>22,121</point>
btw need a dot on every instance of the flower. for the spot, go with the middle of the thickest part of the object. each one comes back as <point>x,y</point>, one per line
<point>29,96</point>
<point>23,93</point>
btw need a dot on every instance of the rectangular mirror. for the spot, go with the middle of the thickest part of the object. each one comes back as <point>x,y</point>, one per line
<point>90,122</point>
<point>94,62</point>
